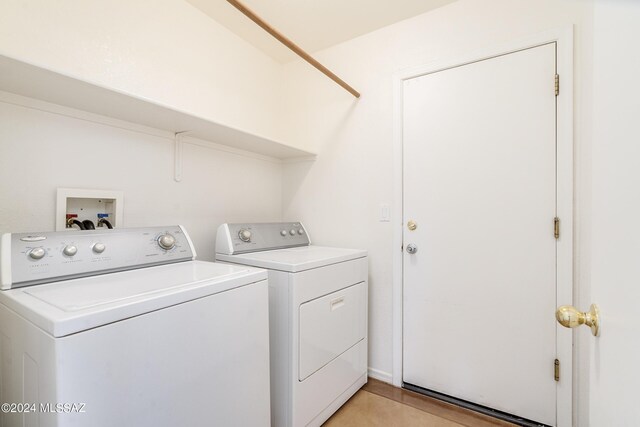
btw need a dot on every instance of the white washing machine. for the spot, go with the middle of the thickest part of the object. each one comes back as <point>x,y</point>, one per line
<point>123,327</point>
<point>317,317</point>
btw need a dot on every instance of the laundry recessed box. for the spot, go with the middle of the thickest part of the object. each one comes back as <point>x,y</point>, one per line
<point>87,204</point>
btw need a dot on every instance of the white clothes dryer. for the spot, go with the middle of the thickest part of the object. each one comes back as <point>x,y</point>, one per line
<point>124,327</point>
<point>317,317</point>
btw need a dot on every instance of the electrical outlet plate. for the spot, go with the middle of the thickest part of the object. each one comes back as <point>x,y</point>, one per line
<point>87,204</point>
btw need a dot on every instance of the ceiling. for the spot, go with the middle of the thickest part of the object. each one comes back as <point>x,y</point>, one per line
<point>312,24</point>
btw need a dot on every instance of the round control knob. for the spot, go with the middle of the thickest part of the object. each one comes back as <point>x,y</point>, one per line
<point>98,248</point>
<point>166,241</point>
<point>292,232</point>
<point>244,235</point>
<point>37,253</point>
<point>70,250</point>
<point>300,231</point>
<point>283,233</point>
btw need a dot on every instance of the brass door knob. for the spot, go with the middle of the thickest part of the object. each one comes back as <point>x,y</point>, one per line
<point>569,317</point>
<point>412,225</point>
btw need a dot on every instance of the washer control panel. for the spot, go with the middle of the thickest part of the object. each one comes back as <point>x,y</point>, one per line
<point>33,258</point>
<point>251,237</point>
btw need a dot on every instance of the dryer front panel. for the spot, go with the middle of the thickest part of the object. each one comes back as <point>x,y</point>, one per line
<point>330,325</point>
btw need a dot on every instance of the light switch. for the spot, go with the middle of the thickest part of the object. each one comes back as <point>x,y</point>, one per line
<point>385,212</point>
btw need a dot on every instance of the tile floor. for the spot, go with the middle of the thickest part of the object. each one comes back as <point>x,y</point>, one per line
<point>380,404</point>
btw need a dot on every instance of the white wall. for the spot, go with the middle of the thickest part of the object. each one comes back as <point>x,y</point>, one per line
<point>41,151</point>
<point>164,50</point>
<point>338,196</point>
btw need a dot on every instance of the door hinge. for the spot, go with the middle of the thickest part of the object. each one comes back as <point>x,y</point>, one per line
<point>556,370</point>
<point>556,227</point>
<point>557,86</point>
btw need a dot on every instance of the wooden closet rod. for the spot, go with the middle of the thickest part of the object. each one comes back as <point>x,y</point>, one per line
<point>291,45</point>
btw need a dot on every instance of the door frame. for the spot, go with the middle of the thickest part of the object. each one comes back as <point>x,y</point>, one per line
<point>563,38</point>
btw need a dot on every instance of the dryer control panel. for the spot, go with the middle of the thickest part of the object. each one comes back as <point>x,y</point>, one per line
<point>34,258</point>
<point>252,237</point>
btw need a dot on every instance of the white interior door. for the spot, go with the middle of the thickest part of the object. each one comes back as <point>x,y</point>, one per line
<point>614,373</point>
<point>479,179</point>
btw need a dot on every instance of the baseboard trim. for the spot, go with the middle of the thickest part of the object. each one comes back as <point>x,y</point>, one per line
<point>377,374</point>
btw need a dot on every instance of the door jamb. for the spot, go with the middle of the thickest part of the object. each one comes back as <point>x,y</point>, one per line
<point>563,37</point>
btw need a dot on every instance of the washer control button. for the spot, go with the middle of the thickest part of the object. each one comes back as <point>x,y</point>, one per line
<point>166,241</point>
<point>300,231</point>
<point>33,238</point>
<point>70,250</point>
<point>244,235</point>
<point>37,253</point>
<point>98,248</point>
<point>283,233</point>
<point>292,232</point>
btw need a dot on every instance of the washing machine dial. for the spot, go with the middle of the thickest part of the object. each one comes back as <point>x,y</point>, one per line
<point>70,250</point>
<point>292,232</point>
<point>244,235</point>
<point>166,241</point>
<point>98,248</point>
<point>300,231</point>
<point>37,253</point>
<point>283,233</point>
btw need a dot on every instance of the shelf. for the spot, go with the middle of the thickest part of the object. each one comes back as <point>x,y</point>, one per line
<point>35,82</point>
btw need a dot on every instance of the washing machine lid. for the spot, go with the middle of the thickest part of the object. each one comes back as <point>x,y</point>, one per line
<point>68,307</point>
<point>295,259</point>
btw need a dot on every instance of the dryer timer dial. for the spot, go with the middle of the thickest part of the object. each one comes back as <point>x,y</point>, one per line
<point>244,235</point>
